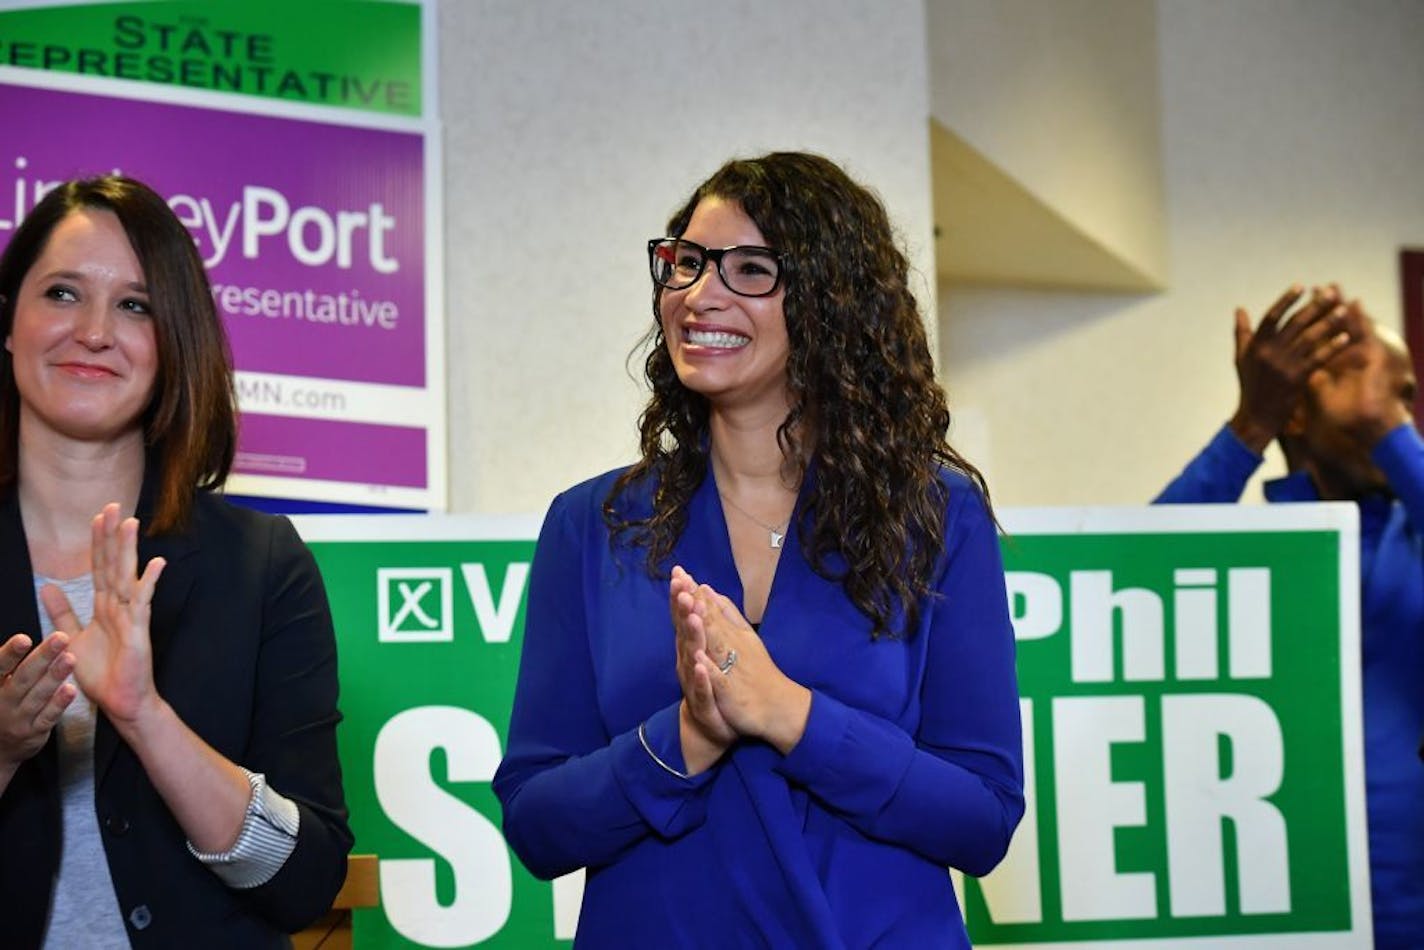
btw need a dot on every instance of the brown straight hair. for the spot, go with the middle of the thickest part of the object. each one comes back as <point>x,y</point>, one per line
<point>190,425</point>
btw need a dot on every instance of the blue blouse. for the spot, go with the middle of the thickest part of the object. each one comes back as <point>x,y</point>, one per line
<point>910,762</point>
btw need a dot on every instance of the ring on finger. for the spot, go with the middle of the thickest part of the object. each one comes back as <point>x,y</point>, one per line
<point>726,665</point>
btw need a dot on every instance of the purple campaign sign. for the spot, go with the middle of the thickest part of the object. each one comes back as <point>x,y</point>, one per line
<point>314,234</point>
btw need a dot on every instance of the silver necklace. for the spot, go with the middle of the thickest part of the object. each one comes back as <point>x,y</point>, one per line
<point>776,533</point>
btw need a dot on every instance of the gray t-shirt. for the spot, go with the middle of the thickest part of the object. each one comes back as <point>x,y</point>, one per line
<point>84,911</point>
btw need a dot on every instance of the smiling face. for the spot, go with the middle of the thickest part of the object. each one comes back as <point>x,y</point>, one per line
<point>82,339</point>
<point>726,347</point>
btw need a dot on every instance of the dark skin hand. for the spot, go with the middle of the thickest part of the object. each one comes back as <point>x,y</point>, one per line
<point>1360,397</point>
<point>1275,360</point>
<point>1369,390</point>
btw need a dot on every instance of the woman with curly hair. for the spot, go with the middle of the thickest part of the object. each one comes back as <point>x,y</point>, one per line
<point>767,692</point>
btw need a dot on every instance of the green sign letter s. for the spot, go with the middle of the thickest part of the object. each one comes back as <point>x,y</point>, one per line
<point>417,805</point>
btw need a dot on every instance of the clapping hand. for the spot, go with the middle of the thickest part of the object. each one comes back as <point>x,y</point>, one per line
<point>731,685</point>
<point>1368,390</point>
<point>1275,360</point>
<point>706,734</point>
<point>113,658</point>
<point>34,691</point>
<point>752,692</point>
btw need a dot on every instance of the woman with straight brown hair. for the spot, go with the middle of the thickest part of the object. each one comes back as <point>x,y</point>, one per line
<point>168,770</point>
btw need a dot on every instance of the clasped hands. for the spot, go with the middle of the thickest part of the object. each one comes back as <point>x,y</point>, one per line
<point>110,657</point>
<point>728,697</point>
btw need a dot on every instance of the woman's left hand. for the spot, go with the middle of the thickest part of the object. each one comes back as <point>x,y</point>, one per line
<point>113,658</point>
<point>752,693</point>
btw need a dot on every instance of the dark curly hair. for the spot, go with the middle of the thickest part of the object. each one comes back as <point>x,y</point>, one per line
<point>860,380</point>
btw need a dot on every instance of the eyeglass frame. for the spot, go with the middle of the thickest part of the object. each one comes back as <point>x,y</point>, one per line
<point>715,255</point>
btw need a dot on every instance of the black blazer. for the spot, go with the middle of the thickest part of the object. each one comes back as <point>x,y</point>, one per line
<point>244,652</point>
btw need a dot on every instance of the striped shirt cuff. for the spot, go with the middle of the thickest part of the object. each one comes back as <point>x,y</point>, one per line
<point>268,837</point>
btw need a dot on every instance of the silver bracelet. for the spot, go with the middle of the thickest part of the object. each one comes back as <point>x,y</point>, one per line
<point>643,738</point>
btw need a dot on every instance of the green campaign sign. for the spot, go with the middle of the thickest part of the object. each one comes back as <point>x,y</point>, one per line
<point>1190,696</point>
<point>430,614</point>
<point>274,49</point>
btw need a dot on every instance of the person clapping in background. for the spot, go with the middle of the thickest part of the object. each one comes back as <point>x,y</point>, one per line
<point>1337,390</point>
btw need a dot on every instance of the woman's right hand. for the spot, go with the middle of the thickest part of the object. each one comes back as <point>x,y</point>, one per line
<point>706,735</point>
<point>34,691</point>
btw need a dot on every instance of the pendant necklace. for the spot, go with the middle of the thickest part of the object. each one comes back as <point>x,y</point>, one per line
<point>776,534</point>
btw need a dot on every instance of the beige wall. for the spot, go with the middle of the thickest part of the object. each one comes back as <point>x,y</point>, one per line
<point>572,131</point>
<point>1293,151</point>
<point>1062,97</point>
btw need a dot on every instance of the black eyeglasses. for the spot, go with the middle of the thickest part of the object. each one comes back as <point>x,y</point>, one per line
<point>746,269</point>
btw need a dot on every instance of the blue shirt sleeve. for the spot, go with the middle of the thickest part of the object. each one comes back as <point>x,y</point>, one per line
<point>952,792</point>
<point>1218,474</point>
<point>572,795</point>
<point>1400,455</point>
